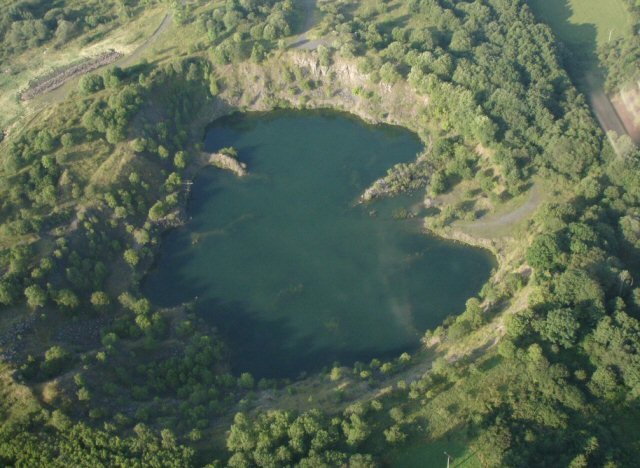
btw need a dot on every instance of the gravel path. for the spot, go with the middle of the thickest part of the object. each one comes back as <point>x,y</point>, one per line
<point>302,41</point>
<point>514,216</point>
<point>135,55</point>
<point>495,225</point>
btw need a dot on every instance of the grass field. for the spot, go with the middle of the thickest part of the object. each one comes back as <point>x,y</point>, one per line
<point>580,22</point>
<point>585,26</point>
<point>432,454</point>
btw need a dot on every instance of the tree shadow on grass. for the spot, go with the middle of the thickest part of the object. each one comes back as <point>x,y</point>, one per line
<point>578,42</point>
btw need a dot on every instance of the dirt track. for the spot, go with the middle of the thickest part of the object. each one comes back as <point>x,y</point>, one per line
<point>511,218</point>
<point>602,108</point>
<point>302,41</point>
<point>164,25</point>
<point>623,103</point>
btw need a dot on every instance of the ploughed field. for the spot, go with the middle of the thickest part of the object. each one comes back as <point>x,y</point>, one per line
<point>290,269</point>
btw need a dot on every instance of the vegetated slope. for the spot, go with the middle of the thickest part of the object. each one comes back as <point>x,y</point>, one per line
<point>621,60</point>
<point>621,56</point>
<point>76,32</point>
<point>601,51</point>
<point>88,190</point>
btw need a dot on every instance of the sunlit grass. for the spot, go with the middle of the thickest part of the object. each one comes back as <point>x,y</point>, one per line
<point>578,22</point>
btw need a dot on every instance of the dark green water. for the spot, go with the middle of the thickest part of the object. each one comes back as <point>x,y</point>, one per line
<point>292,274</point>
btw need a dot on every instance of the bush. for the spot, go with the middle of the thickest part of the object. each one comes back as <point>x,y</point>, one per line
<point>55,358</point>
<point>100,300</point>
<point>67,140</point>
<point>67,299</point>
<point>91,83</point>
<point>36,296</point>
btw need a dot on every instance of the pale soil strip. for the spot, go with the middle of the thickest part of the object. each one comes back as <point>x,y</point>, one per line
<point>512,217</point>
<point>623,105</point>
<point>164,25</point>
<point>499,225</point>
<point>604,111</point>
<point>302,41</point>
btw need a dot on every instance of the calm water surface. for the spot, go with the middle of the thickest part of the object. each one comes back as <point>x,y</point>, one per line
<point>290,271</point>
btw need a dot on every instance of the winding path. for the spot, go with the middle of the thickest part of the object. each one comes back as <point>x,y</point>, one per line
<point>164,25</point>
<point>302,41</point>
<point>514,216</point>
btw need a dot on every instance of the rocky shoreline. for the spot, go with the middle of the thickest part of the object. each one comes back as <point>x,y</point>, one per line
<point>227,163</point>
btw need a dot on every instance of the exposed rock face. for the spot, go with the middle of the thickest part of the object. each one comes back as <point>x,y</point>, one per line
<point>228,163</point>
<point>379,188</point>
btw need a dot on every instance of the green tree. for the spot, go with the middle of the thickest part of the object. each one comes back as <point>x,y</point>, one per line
<point>544,254</point>
<point>67,299</point>
<point>7,293</point>
<point>131,257</point>
<point>560,327</point>
<point>355,429</point>
<point>90,83</point>
<point>258,53</point>
<point>100,300</point>
<point>67,140</point>
<point>324,56</point>
<point>55,358</point>
<point>36,296</point>
<point>246,381</point>
<point>438,183</point>
<point>163,152</point>
<point>44,142</point>
<point>157,211</point>
<point>141,236</point>
<point>389,74</point>
<point>394,435</point>
<point>83,394</point>
<point>180,160</point>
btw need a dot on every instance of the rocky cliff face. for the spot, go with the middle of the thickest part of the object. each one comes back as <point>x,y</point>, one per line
<point>278,82</point>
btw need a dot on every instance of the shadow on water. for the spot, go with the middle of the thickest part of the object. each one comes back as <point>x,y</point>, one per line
<point>264,347</point>
<point>236,124</point>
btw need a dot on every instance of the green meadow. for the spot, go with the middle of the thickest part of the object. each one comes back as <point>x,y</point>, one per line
<point>584,24</point>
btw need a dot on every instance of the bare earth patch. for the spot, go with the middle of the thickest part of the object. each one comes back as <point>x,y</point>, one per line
<point>627,105</point>
<point>603,109</point>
